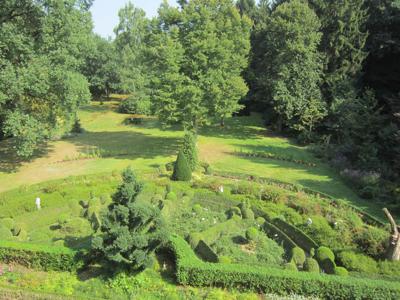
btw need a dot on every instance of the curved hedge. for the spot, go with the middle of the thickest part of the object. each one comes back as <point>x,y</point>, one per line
<point>39,256</point>
<point>297,235</point>
<point>190,270</point>
<point>274,232</point>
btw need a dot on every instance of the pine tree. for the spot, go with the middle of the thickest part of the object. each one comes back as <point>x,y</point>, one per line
<point>130,230</point>
<point>189,149</point>
<point>181,169</point>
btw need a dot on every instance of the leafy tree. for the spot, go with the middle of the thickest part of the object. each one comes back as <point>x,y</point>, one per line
<point>189,149</point>
<point>130,43</point>
<point>182,170</point>
<point>295,72</point>
<point>130,230</point>
<point>41,54</point>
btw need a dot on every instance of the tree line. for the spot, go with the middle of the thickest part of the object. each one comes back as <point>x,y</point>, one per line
<point>322,71</point>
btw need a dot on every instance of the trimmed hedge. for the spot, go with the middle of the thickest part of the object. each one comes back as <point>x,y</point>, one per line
<point>190,270</point>
<point>39,256</point>
<point>275,233</point>
<point>297,235</point>
<point>205,252</point>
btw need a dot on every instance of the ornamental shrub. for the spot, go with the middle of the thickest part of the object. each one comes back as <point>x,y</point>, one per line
<point>324,253</point>
<point>252,234</point>
<point>225,260</point>
<point>340,271</point>
<point>328,266</point>
<point>189,149</point>
<point>139,105</point>
<point>5,233</point>
<point>171,196</point>
<point>311,265</point>
<point>248,214</point>
<point>390,268</point>
<point>7,222</point>
<point>291,266</point>
<point>234,211</point>
<point>298,256</point>
<point>260,220</point>
<point>357,262</point>
<point>182,170</point>
<point>131,230</point>
<point>197,209</point>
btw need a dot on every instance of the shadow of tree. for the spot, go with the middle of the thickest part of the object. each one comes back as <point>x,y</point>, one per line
<point>10,162</point>
<point>126,145</point>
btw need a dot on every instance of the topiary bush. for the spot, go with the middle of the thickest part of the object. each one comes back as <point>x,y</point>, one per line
<point>252,234</point>
<point>5,233</point>
<point>298,256</point>
<point>7,222</point>
<point>189,149</point>
<point>260,221</point>
<point>340,271</point>
<point>328,266</point>
<point>234,211</point>
<point>311,265</point>
<point>291,266</point>
<point>324,253</point>
<point>182,170</point>
<point>197,209</point>
<point>225,259</point>
<point>171,196</point>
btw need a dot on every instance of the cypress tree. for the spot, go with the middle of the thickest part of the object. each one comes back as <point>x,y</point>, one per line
<point>181,170</point>
<point>190,149</point>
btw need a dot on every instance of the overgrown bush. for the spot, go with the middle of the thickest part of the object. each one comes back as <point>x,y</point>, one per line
<point>357,262</point>
<point>340,271</point>
<point>182,170</point>
<point>372,241</point>
<point>252,234</point>
<point>140,105</point>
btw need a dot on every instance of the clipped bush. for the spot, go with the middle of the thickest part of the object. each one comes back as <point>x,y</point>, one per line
<point>22,236</point>
<point>248,214</point>
<point>171,196</point>
<point>194,239</point>
<point>5,233</point>
<point>252,234</point>
<point>328,266</point>
<point>291,266</point>
<point>170,166</point>
<point>190,270</point>
<point>38,237</point>
<point>260,220</point>
<point>357,262</point>
<point>189,149</point>
<point>234,211</point>
<point>197,209</point>
<point>340,271</point>
<point>7,222</point>
<point>311,265</point>
<point>225,260</point>
<point>298,256</point>
<point>182,170</point>
<point>324,253</point>
<point>40,257</point>
<point>16,229</point>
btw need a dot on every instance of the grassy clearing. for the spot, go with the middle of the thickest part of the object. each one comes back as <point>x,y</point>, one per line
<point>108,144</point>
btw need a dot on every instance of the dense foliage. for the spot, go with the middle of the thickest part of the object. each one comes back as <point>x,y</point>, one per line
<point>130,230</point>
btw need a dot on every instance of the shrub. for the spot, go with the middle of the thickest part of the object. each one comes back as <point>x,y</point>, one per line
<point>77,226</point>
<point>171,196</point>
<point>248,214</point>
<point>40,257</point>
<point>328,266</point>
<point>298,256</point>
<point>208,170</point>
<point>189,149</point>
<point>291,266</point>
<point>235,211</point>
<point>311,265</point>
<point>324,253</point>
<point>182,171</point>
<point>139,105</point>
<point>16,229</point>
<point>7,222</point>
<point>5,233</point>
<point>197,209</point>
<point>22,236</point>
<point>390,268</point>
<point>340,271</point>
<point>192,271</point>
<point>372,241</point>
<point>194,239</point>
<point>225,260</point>
<point>252,234</point>
<point>77,127</point>
<point>260,220</point>
<point>357,262</point>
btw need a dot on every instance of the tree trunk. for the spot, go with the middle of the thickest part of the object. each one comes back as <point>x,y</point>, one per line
<point>222,122</point>
<point>393,252</point>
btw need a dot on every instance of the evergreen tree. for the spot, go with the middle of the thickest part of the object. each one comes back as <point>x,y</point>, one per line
<point>295,73</point>
<point>182,170</point>
<point>189,149</point>
<point>130,230</point>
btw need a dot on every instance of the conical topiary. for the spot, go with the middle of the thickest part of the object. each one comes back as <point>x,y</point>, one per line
<point>182,170</point>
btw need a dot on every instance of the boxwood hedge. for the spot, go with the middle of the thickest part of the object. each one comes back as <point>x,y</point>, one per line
<point>190,270</point>
<point>39,256</point>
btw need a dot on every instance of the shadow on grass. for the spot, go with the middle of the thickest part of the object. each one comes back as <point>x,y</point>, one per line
<point>10,162</point>
<point>125,145</point>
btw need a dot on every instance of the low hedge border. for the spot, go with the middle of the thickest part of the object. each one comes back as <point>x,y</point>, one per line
<point>190,270</point>
<point>298,236</point>
<point>41,257</point>
<point>366,217</point>
<point>269,155</point>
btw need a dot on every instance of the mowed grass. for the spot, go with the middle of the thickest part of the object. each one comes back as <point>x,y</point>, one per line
<point>109,145</point>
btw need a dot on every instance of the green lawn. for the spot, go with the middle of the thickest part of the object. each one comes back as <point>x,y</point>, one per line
<point>108,144</point>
